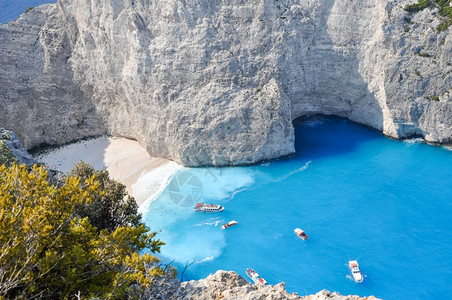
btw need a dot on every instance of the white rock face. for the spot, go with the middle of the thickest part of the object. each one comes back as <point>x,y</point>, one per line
<point>229,285</point>
<point>207,82</point>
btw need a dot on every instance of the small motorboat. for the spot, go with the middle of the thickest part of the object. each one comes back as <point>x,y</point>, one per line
<point>255,277</point>
<point>208,207</point>
<point>229,224</point>
<point>300,233</point>
<point>354,269</point>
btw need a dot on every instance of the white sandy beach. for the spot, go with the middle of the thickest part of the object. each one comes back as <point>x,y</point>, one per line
<point>125,159</point>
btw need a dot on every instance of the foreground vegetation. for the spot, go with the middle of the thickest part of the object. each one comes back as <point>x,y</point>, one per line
<point>6,155</point>
<point>79,238</point>
<point>443,6</point>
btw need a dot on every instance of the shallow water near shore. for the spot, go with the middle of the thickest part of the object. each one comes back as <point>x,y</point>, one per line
<point>357,194</point>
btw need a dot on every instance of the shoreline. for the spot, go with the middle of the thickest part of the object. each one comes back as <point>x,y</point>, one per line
<point>145,177</point>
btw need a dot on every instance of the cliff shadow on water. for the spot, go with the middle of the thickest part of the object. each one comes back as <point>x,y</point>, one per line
<point>321,136</point>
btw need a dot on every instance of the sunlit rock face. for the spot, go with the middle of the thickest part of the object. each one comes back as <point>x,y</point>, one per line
<point>219,82</point>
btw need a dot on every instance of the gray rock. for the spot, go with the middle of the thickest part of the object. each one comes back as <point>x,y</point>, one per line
<point>229,285</point>
<point>219,82</point>
<point>12,142</point>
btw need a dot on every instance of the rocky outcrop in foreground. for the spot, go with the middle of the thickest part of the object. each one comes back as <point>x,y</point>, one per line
<point>219,82</point>
<point>17,152</point>
<point>229,285</point>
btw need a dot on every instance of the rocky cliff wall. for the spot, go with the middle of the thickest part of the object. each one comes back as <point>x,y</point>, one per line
<point>207,82</point>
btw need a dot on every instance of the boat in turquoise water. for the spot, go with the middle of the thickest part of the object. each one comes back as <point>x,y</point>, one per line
<point>229,224</point>
<point>208,207</point>
<point>348,187</point>
<point>255,277</point>
<point>301,234</point>
<point>356,272</point>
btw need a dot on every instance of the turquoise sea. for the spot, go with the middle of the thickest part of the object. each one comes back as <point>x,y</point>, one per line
<point>357,194</point>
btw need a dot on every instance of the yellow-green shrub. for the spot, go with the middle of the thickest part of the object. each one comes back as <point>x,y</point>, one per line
<point>47,251</point>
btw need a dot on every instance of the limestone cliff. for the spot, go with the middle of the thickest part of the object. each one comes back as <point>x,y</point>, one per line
<point>218,82</point>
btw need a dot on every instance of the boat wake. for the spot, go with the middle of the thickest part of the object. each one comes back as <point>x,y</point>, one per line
<point>228,182</point>
<point>350,277</point>
<point>209,222</point>
<point>238,192</point>
<point>414,141</point>
<point>301,169</point>
<point>279,235</point>
<point>209,258</point>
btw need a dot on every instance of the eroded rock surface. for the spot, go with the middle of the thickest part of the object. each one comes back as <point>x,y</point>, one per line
<point>218,82</point>
<point>230,286</point>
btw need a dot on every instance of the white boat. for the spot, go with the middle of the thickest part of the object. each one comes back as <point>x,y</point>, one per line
<point>300,233</point>
<point>229,224</point>
<point>354,269</point>
<point>255,277</point>
<point>208,207</point>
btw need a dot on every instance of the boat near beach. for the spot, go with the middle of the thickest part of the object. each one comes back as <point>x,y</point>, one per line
<point>356,272</point>
<point>255,277</point>
<point>208,207</point>
<point>229,224</point>
<point>301,234</point>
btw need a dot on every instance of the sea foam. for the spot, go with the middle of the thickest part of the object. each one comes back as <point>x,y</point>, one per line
<point>151,184</point>
<point>196,242</point>
<point>414,141</point>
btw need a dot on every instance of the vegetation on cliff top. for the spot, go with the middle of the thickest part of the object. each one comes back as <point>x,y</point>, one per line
<point>50,249</point>
<point>28,9</point>
<point>110,209</point>
<point>444,7</point>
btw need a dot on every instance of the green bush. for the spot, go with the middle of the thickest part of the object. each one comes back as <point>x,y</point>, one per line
<point>28,9</point>
<point>6,155</point>
<point>414,8</point>
<point>443,26</point>
<point>442,3</point>
<point>445,10</point>
<point>49,252</point>
<point>111,207</point>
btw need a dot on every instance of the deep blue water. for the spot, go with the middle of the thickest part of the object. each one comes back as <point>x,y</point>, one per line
<point>11,9</point>
<point>357,194</point>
